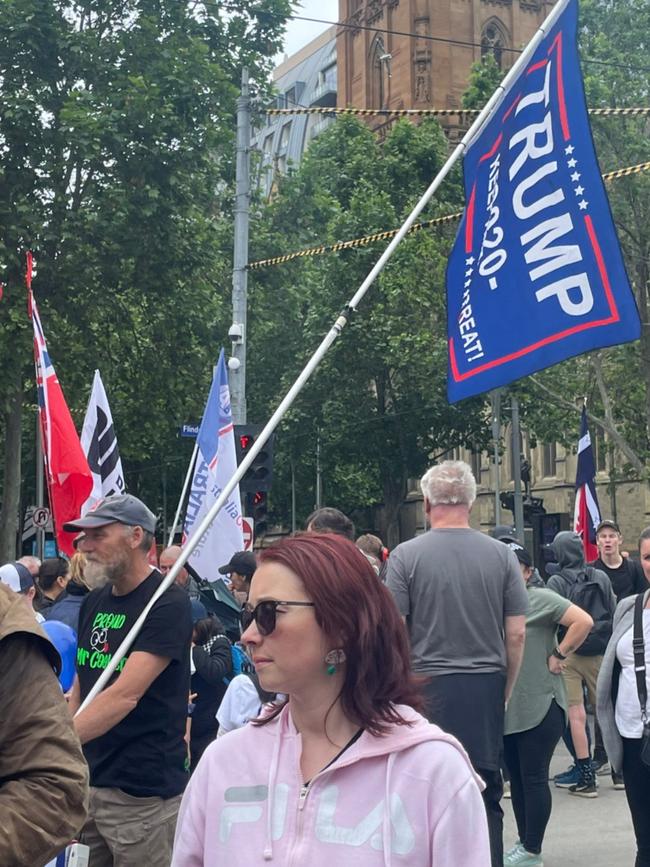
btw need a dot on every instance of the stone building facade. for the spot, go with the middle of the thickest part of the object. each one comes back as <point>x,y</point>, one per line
<point>553,471</point>
<point>378,68</point>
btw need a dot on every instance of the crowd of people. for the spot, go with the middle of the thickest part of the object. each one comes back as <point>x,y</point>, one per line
<point>366,710</point>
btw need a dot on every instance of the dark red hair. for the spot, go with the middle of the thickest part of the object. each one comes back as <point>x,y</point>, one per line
<point>350,601</point>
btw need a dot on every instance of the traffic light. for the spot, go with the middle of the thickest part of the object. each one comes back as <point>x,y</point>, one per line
<point>532,505</point>
<point>256,508</point>
<point>260,475</point>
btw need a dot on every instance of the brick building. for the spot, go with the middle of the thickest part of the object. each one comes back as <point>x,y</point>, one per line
<point>380,69</point>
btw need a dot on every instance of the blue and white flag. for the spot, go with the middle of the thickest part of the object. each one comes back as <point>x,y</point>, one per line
<point>536,275</point>
<point>216,463</point>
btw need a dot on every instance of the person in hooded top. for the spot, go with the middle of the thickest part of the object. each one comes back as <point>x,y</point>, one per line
<point>592,590</point>
<point>345,769</point>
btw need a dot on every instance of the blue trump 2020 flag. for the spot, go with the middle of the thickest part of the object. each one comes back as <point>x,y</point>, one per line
<point>536,274</point>
<point>216,463</point>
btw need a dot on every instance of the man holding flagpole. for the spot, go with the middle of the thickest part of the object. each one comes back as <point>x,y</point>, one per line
<point>133,732</point>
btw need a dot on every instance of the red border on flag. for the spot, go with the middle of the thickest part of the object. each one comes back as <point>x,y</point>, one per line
<point>613,317</point>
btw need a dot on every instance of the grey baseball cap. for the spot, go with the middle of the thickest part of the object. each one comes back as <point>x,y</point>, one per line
<point>121,509</point>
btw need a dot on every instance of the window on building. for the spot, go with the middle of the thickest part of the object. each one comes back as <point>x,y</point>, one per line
<point>549,458</point>
<point>285,132</point>
<point>290,97</point>
<point>268,144</point>
<point>327,76</point>
<point>493,41</point>
<point>378,74</point>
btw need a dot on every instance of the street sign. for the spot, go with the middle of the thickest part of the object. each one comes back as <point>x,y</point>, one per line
<point>40,517</point>
<point>190,430</point>
<point>248,526</point>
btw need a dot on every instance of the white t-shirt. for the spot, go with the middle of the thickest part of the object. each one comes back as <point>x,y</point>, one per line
<point>628,709</point>
<point>240,704</point>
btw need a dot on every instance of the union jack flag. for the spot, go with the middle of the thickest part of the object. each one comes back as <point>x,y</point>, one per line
<point>69,479</point>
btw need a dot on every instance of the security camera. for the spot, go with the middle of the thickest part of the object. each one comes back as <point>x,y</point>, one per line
<point>236,332</point>
<point>234,363</point>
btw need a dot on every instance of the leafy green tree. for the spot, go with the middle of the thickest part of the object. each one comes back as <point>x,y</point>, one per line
<point>484,78</point>
<point>378,401</point>
<point>116,128</point>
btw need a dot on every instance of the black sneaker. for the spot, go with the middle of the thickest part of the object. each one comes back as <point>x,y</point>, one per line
<point>601,766</point>
<point>617,780</point>
<point>586,787</point>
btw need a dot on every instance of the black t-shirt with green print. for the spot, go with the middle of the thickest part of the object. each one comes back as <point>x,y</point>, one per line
<point>144,754</point>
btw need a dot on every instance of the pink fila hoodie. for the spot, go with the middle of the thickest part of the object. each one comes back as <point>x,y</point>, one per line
<point>409,797</point>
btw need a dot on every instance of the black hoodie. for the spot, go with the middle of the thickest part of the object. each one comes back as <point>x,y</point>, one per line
<point>585,586</point>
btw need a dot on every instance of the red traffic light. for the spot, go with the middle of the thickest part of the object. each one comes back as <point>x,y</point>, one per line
<point>246,441</point>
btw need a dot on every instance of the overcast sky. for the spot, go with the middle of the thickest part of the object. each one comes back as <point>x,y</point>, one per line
<point>299,33</point>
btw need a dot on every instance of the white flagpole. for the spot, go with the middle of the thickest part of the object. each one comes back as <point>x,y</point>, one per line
<point>181,500</point>
<point>318,355</point>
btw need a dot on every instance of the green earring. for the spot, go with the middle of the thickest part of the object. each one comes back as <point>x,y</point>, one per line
<point>334,658</point>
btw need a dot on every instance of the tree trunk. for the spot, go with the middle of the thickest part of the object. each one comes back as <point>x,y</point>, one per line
<point>11,490</point>
<point>394,493</point>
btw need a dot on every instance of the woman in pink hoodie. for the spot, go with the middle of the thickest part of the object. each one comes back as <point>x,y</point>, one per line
<point>345,771</point>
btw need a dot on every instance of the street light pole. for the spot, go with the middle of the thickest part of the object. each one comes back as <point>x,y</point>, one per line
<point>237,332</point>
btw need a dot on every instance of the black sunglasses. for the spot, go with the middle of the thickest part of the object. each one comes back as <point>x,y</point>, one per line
<point>265,614</point>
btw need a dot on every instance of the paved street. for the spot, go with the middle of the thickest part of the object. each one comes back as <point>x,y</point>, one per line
<point>583,832</point>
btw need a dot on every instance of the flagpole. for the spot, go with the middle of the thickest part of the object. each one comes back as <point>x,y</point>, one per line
<point>40,492</point>
<point>181,500</point>
<point>318,355</point>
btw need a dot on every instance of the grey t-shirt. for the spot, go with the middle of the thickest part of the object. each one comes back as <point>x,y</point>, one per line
<point>455,586</point>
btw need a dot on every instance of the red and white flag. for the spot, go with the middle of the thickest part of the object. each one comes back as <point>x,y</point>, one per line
<point>587,511</point>
<point>69,479</point>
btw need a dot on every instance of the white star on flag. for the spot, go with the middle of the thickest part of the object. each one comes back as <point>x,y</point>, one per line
<point>575,177</point>
<point>572,163</point>
<point>469,271</point>
<point>468,283</point>
<point>579,191</point>
<point>583,205</point>
<point>569,150</point>
<point>469,261</point>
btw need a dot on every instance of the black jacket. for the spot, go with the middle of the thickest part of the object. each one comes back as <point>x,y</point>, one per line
<point>213,662</point>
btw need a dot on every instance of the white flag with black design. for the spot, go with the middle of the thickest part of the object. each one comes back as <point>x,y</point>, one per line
<point>99,443</point>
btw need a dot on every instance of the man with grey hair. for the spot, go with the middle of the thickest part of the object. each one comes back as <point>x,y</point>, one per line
<point>31,563</point>
<point>132,732</point>
<point>464,602</point>
<point>166,561</point>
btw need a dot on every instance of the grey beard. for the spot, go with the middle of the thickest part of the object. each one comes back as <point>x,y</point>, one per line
<point>95,576</point>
